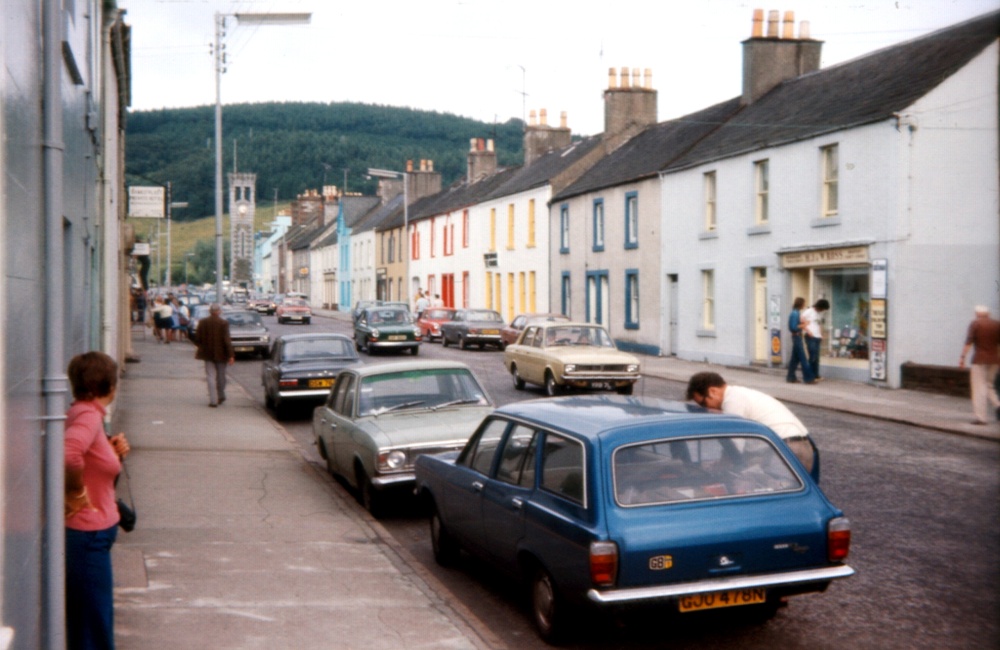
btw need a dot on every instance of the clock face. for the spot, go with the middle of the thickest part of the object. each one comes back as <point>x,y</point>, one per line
<point>242,209</point>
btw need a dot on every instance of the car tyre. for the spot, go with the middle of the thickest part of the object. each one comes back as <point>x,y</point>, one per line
<point>306,321</point>
<point>280,410</point>
<point>548,608</point>
<point>625,390</point>
<point>368,496</point>
<point>268,400</point>
<point>444,340</point>
<point>462,343</point>
<point>551,387</point>
<point>445,546</point>
<point>518,382</point>
<point>415,350</point>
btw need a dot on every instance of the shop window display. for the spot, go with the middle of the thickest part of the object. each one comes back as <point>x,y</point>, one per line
<point>846,324</point>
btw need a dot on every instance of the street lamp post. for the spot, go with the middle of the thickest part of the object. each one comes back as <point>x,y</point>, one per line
<point>220,63</point>
<point>187,256</point>
<point>388,173</point>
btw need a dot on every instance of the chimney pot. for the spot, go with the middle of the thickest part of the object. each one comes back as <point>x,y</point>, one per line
<point>636,81</point>
<point>489,145</point>
<point>562,120</point>
<point>804,31</point>
<point>430,165</point>
<point>648,79</point>
<point>543,117</point>
<point>772,23</point>
<point>758,24</point>
<point>472,144</point>
<point>623,78</point>
<point>409,165</point>
<point>612,79</point>
<point>788,25</point>
<point>532,118</point>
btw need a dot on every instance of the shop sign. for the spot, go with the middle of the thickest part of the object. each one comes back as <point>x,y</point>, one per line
<point>878,327</point>
<point>880,281</point>
<point>776,347</point>
<point>878,360</point>
<point>827,257</point>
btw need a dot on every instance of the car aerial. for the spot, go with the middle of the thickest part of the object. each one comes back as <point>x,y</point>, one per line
<point>262,305</point>
<point>559,355</point>
<point>301,368</point>
<point>509,333</point>
<point>386,328</point>
<point>604,502</point>
<point>293,309</point>
<point>379,419</point>
<point>430,321</point>
<point>247,332</point>
<point>480,327</point>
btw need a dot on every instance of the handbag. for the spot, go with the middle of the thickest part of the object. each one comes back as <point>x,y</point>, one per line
<point>126,516</point>
<point>126,513</point>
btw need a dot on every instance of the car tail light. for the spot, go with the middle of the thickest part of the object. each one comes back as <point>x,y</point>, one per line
<point>838,539</point>
<point>603,563</point>
<point>288,383</point>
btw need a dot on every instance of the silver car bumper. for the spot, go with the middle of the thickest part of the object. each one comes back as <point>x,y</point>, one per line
<point>719,584</point>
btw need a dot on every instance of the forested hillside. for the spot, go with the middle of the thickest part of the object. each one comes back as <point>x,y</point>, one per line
<point>293,147</point>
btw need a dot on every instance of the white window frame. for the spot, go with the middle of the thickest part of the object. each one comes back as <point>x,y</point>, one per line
<point>761,182</point>
<point>711,216</point>
<point>830,155</point>
<point>708,299</point>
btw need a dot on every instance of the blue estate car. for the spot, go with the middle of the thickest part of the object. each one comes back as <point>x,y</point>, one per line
<point>610,501</point>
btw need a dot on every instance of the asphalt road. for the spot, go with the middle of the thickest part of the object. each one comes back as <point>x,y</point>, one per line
<point>926,539</point>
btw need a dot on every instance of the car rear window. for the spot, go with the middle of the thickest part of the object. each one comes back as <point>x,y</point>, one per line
<point>695,469</point>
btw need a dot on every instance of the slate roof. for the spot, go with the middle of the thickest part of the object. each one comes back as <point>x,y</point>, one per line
<point>865,90</point>
<point>648,152</point>
<point>546,167</point>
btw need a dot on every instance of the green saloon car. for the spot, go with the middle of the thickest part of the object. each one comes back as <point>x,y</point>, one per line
<point>378,419</point>
<point>386,328</point>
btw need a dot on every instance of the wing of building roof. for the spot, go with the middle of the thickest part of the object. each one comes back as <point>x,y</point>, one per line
<point>547,168</point>
<point>861,91</point>
<point>648,152</point>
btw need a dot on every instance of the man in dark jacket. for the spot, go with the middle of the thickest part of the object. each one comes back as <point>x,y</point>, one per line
<point>215,348</point>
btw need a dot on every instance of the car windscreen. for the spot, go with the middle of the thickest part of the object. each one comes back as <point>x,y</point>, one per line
<point>702,468</point>
<point>578,335</point>
<point>484,315</point>
<point>243,318</point>
<point>389,317</point>
<point>438,313</point>
<point>317,349</point>
<point>419,389</point>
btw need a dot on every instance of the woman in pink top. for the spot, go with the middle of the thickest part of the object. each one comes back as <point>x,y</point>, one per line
<point>93,461</point>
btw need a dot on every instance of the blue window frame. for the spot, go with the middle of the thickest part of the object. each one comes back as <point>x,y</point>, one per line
<point>564,228</point>
<point>598,304</point>
<point>632,220</point>
<point>631,299</point>
<point>566,293</point>
<point>598,244</point>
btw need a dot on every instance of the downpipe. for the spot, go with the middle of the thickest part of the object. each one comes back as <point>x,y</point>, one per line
<point>54,378</point>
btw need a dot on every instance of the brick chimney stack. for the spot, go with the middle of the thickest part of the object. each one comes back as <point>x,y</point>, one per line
<point>769,60</point>
<point>540,138</point>
<point>482,160</point>
<point>629,106</point>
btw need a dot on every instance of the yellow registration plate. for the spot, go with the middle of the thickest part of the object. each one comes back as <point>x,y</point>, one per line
<point>731,598</point>
<point>397,337</point>
<point>320,383</point>
<point>491,332</point>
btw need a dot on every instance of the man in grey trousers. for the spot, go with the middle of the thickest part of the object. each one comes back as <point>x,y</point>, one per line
<point>215,348</point>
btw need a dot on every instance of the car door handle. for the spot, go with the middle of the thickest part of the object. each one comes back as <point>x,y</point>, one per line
<point>517,502</point>
<point>477,486</point>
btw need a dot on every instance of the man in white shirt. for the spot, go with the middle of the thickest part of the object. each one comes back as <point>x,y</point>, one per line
<point>709,390</point>
<point>814,334</point>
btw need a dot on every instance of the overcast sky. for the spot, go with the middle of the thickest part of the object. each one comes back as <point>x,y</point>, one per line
<point>478,58</point>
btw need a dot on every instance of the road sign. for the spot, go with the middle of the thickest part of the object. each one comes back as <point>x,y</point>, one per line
<point>147,201</point>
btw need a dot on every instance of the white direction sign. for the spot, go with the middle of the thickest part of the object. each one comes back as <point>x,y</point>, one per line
<point>147,201</point>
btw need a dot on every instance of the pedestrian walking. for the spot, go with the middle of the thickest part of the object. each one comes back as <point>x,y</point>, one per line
<point>813,333</point>
<point>799,358</point>
<point>92,463</point>
<point>422,303</point>
<point>983,338</point>
<point>215,348</point>
<point>709,390</point>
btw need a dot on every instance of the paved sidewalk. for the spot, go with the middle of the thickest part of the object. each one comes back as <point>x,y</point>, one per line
<point>240,543</point>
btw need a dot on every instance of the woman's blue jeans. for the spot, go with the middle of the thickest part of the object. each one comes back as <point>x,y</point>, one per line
<point>90,602</point>
<point>799,359</point>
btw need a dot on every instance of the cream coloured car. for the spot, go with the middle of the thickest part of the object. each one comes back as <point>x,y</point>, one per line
<point>559,355</point>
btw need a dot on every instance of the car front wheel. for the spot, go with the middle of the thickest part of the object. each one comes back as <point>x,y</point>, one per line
<point>551,387</point>
<point>369,497</point>
<point>444,340</point>
<point>443,544</point>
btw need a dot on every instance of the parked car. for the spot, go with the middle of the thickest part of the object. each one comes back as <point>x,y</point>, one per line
<point>430,321</point>
<point>509,333</point>
<point>480,327</point>
<point>247,331</point>
<point>602,502</point>
<point>559,356</point>
<point>386,328</point>
<point>197,313</point>
<point>379,419</point>
<point>262,305</point>
<point>293,309</point>
<point>301,368</point>
<point>362,305</point>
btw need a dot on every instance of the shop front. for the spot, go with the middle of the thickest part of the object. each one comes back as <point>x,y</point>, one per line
<point>843,277</point>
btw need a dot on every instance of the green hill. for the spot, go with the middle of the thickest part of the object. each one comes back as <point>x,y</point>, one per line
<point>293,147</point>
